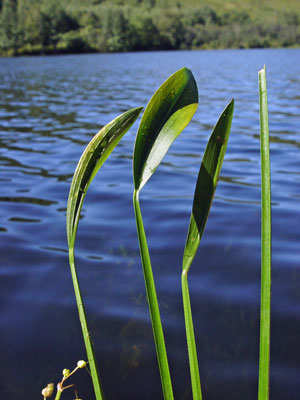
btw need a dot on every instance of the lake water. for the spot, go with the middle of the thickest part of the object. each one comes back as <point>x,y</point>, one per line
<point>50,108</point>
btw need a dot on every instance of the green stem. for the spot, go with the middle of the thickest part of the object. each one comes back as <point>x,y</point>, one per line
<point>58,394</point>
<point>265,307</point>
<point>153,303</point>
<point>190,336</point>
<point>87,340</point>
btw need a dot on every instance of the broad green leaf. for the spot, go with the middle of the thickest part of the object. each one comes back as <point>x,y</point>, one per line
<point>91,160</point>
<point>167,114</point>
<point>207,183</point>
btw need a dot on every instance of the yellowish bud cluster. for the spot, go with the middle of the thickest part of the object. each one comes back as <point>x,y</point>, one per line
<point>48,390</point>
<point>66,373</point>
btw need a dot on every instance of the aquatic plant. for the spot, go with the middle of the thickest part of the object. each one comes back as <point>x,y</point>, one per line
<point>167,114</point>
<point>90,162</point>
<point>173,105</point>
<point>66,373</point>
<point>265,305</point>
<point>204,192</point>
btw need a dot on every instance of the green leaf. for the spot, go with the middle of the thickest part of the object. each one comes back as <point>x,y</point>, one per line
<point>266,239</point>
<point>207,183</point>
<point>167,114</point>
<point>204,192</point>
<point>91,160</point>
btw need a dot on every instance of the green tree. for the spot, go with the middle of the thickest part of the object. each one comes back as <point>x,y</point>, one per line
<point>9,29</point>
<point>117,31</point>
<point>193,16</point>
<point>149,3</point>
<point>171,30</point>
<point>53,21</point>
<point>147,35</point>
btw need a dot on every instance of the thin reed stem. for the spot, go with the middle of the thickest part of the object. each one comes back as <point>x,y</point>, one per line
<point>86,335</point>
<point>153,303</point>
<point>191,343</point>
<point>265,306</point>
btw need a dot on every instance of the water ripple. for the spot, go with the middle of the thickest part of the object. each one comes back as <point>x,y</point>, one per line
<point>49,110</point>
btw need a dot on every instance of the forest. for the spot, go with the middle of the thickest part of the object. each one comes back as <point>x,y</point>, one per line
<point>29,27</point>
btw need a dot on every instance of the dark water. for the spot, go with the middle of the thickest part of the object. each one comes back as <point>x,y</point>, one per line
<point>50,108</point>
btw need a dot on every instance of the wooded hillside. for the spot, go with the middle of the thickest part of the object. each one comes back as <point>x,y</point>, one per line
<point>75,26</point>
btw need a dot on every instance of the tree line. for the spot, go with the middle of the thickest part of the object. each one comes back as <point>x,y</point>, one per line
<point>61,26</point>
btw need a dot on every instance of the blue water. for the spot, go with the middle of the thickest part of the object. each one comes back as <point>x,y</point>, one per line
<point>50,108</point>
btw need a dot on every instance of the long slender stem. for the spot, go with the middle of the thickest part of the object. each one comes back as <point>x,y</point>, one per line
<point>265,307</point>
<point>190,336</point>
<point>153,303</point>
<point>87,340</point>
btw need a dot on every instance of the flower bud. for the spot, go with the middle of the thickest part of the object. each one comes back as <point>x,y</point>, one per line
<point>81,364</point>
<point>47,391</point>
<point>66,373</point>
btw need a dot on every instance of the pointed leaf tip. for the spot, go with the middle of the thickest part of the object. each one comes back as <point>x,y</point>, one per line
<point>94,155</point>
<point>207,182</point>
<point>167,114</point>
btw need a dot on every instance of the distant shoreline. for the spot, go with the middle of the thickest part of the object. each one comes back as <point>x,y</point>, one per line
<point>139,51</point>
<point>100,26</point>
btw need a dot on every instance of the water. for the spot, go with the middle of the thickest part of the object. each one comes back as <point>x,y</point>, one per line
<point>50,108</point>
